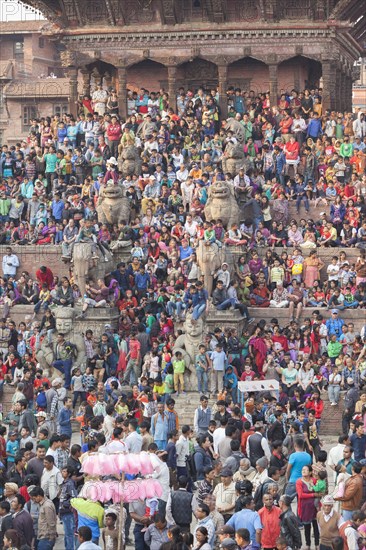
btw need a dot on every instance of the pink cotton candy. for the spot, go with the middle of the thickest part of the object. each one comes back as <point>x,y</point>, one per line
<point>146,467</point>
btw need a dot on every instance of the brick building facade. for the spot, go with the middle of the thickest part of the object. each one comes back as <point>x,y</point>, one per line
<point>260,46</point>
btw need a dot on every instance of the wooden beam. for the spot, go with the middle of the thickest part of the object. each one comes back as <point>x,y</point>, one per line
<point>341,8</point>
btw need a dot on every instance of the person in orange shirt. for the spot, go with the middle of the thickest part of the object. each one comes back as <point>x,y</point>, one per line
<point>270,518</point>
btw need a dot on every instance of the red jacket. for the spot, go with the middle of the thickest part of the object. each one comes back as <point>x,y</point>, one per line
<point>46,277</point>
<point>318,407</point>
<point>114,132</point>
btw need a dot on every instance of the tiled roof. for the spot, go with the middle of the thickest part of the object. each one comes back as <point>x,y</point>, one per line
<point>10,27</point>
<point>52,87</point>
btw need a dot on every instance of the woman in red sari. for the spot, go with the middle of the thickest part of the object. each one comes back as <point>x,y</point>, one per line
<point>306,509</point>
<point>258,350</point>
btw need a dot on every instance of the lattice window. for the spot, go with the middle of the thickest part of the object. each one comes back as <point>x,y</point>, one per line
<point>29,113</point>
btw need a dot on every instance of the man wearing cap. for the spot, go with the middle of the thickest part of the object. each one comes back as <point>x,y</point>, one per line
<point>225,494</point>
<point>329,522</point>
<point>226,533</point>
<point>334,324</point>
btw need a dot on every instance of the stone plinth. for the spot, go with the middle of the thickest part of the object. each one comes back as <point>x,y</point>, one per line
<point>224,319</point>
<point>31,257</point>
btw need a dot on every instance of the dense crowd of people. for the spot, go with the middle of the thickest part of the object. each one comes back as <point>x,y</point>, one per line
<point>230,479</point>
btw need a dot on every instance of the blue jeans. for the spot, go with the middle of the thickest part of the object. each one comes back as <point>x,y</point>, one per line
<point>140,543</point>
<point>334,393</point>
<point>226,304</point>
<point>306,202</point>
<point>202,381</point>
<point>198,311</point>
<point>291,490</point>
<point>171,307</point>
<point>45,544</point>
<point>64,366</point>
<point>161,443</point>
<point>347,514</point>
<point>68,522</point>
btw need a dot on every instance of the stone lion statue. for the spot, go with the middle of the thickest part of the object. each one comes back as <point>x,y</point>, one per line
<point>234,126</point>
<point>129,161</point>
<point>64,325</point>
<point>188,344</point>
<point>113,206</point>
<point>234,159</point>
<point>221,203</point>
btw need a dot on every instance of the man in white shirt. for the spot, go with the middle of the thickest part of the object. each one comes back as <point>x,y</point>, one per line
<point>336,453</point>
<point>182,450</point>
<point>134,439</point>
<point>10,263</point>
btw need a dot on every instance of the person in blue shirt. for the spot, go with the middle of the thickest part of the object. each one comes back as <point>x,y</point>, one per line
<point>64,418</point>
<point>300,190</point>
<point>297,460</point>
<point>159,427</point>
<point>12,449</point>
<point>358,442</point>
<point>57,207</point>
<point>247,519</point>
<point>314,127</point>
<point>142,281</point>
<point>185,251</point>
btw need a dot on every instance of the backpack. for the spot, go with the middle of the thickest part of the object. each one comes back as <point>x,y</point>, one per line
<point>191,467</point>
<point>71,350</point>
<point>41,400</point>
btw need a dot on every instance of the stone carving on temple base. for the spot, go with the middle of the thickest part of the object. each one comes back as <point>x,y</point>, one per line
<point>210,258</point>
<point>188,344</point>
<point>113,206</point>
<point>64,325</point>
<point>221,204</point>
<point>90,263</point>
<point>129,161</point>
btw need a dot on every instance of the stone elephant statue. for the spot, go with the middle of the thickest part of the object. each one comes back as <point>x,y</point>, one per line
<point>85,267</point>
<point>210,258</point>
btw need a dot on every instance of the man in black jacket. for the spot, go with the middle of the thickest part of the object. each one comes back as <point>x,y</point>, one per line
<point>6,519</point>
<point>289,524</point>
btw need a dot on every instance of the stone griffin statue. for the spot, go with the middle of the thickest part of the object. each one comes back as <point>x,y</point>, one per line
<point>187,344</point>
<point>113,206</point>
<point>237,130</point>
<point>222,204</point>
<point>233,159</point>
<point>64,325</point>
<point>209,259</point>
<point>129,161</point>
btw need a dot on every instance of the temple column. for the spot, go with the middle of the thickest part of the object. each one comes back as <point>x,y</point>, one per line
<point>338,90</point>
<point>86,81</point>
<point>273,83</point>
<point>348,91</point>
<point>329,85</point>
<point>122,92</point>
<point>73,90</point>
<point>222,70</point>
<point>172,87</point>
